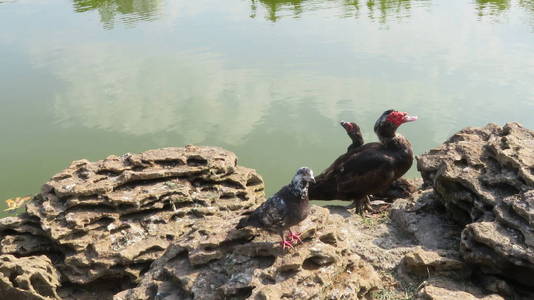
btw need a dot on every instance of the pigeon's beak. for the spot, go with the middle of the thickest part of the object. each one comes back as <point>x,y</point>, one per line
<point>310,179</point>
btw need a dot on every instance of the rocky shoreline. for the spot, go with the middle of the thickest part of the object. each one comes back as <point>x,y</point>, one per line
<point>159,225</point>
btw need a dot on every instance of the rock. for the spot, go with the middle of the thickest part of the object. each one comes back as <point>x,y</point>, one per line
<point>445,289</point>
<point>433,261</point>
<point>426,263</point>
<point>477,167</point>
<point>498,250</point>
<point>485,179</point>
<point>160,225</point>
<point>434,251</point>
<point>249,264</point>
<point>23,223</point>
<point>422,217</point>
<point>23,236</point>
<point>112,218</point>
<point>28,278</point>
<point>497,285</point>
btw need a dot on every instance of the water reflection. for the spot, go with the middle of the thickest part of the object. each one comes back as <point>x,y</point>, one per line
<point>379,10</point>
<point>274,121</point>
<point>382,9</point>
<point>491,7</point>
<point>188,93</point>
<point>274,6</point>
<point>495,9</point>
<point>528,6</point>
<point>129,11</point>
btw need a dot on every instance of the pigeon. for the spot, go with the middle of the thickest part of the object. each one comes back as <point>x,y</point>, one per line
<point>287,207</point>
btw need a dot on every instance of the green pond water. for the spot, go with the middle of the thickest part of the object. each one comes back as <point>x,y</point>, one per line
<point>267,79</point>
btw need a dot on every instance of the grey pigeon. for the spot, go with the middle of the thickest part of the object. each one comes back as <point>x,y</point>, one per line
<point>287,207</point>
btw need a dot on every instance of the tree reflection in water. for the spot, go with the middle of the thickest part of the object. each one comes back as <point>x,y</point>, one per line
<point>491,7</point>
<point>378,10</point>
<point>130,11</point>
<point>382,11</point>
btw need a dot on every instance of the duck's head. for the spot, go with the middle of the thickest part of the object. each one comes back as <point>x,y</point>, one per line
<point>350,127</point>
<point>389,121</point>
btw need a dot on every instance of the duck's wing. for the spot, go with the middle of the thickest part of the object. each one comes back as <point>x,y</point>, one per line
<point>349,158</point>
<point>365,173</point>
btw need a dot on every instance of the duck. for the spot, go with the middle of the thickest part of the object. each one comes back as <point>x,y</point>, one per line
<point>368,168</point>
<point>400,188</point>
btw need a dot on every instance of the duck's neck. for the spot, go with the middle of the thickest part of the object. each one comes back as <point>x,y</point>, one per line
<point>395,142</point>
<point>357,140</point>
<point>401,149</point>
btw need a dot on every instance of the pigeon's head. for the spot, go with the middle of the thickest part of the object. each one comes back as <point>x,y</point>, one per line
<point>302,179</point>
<point>390,120</point>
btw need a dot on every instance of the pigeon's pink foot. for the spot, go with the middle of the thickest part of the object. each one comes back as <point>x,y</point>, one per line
<point>286,244</point>
<point>294,237</point>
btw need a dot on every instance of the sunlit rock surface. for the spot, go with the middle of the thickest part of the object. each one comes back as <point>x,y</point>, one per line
<point>216,261</point>
<point>28,278</point>
<point>485,179</point>
<point>114,217</point>
<point>446,289</point>
<point>102,225</point>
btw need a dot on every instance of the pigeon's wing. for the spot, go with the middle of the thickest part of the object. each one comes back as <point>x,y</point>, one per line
<point>272,214</point>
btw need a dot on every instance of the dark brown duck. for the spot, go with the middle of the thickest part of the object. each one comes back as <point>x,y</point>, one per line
<point>369,168</point>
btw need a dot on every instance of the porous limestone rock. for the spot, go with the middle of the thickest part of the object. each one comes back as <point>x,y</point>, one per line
<point>446,289</point>
<point>477,167</point>
<point>112,218</point>
<point>433,266</point>
<point>28,278</point>
<point>104,223</point>
<point>216,261</point>
<point>429,263</point>
<point>23,236</point>
<point>485,179</point>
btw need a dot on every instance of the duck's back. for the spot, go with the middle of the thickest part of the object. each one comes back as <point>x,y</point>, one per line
<point>354,163</point>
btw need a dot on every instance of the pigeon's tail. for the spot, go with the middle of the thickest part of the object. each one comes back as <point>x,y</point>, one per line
<point>251,220</point>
